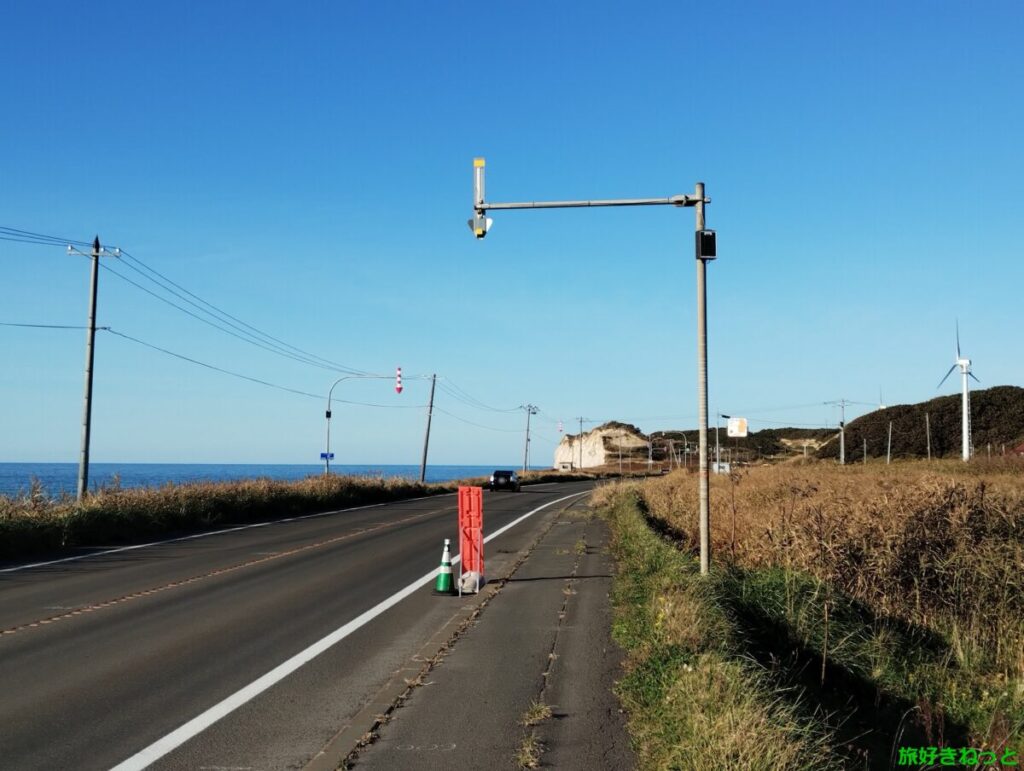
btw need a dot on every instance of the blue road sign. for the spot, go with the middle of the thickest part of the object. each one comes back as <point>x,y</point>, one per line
<point>327,456</point>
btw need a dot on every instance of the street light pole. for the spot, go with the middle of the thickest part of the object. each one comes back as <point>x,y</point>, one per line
<point>530,410</point>
<point>480,224</point>
<point>842,429</point>
<point>718,452</point>
<point>702,388</point>
<point>330,393</point>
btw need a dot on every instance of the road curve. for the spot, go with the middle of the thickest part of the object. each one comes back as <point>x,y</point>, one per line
<point>107,656</point>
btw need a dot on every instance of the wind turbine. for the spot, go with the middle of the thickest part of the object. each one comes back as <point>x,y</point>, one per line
<point>965,371</point>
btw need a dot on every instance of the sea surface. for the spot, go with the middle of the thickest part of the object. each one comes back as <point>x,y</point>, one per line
<point>62,478</point>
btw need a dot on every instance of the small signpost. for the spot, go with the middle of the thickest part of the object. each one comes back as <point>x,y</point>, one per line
<point>471,534</point>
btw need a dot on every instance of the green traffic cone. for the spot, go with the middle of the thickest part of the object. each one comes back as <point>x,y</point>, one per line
<point>443,585</point>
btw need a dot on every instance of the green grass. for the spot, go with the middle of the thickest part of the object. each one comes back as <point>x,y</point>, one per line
<point>693,702</point>
<point>816,678</point>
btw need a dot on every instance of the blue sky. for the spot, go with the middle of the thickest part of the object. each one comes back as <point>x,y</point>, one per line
<point>307,168</point>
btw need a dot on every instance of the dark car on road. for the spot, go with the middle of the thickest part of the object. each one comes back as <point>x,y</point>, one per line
<point>504,480</point>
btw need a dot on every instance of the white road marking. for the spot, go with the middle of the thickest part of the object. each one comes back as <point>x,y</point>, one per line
<point>200,723</point>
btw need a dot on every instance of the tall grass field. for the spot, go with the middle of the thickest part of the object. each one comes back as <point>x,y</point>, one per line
<point>33,523</point>
<point>851,612</point>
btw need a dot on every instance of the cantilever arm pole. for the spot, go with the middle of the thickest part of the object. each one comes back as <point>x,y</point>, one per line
<point>480,225</point>
<point>675,200</point>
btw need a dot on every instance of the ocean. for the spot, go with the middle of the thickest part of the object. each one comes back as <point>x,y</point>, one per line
<point>59,478</point>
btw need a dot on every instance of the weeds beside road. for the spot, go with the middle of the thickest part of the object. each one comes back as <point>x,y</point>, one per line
<point>850,611</point>
<point>34,524</point>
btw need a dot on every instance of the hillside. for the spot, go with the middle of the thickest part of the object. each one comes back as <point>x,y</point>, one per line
<point>997,419</point>
<point>766,443</point>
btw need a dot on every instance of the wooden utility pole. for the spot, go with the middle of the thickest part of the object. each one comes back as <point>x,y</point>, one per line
<point>426,439</point>
<point>90,339</point>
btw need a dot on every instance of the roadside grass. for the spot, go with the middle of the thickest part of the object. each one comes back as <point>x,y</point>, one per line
<point>537,713</point>
<point>529,751</point>
<point>693,701</point>
<point>883,602</point>
<point>33,523</point>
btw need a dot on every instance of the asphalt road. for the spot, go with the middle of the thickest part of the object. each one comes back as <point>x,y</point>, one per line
<point>109,656</point>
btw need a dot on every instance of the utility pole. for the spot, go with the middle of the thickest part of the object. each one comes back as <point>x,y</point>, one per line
<point>928,435</point>
<point>702,255</point>
<point>426,439</point>
<point>581,419</point>
<point>705,242</point>
<point>530,410</point>
<point>888,449</point>
<point>842,430</point>
<point>90,338</point>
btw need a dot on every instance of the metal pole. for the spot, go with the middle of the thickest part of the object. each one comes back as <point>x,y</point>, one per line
<point>842,432</point>
<point>90,338</point>
<point>865,451</point>
<point>330,392</point>
<point>327,455</point>
<point>426,439</point>
<point>718,452</point>
<point>702,393</point>
<point>530,410</point>
<point>928,435</point>
<point>581,444</point>
<point>966,420</point>
<point>888,449</point>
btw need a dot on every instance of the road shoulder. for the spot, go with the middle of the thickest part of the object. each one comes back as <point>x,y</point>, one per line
<point>527,678</point>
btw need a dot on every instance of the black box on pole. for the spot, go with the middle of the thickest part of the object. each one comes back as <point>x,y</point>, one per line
<point>706,245</point>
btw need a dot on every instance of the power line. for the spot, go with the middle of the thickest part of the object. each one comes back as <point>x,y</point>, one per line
<point>478,425</point>
<point>29,237</point>
<point>274,345</point>
<point>249,339</point>
<point>460,394</point>
<point>212,366</point>
<point>254,379</point>
<point>224,314</point>
<point>47,326</point>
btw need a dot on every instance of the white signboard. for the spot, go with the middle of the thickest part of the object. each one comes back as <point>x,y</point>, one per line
<point>737,427</point>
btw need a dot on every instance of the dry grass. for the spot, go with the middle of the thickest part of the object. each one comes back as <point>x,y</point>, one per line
<point>34,523</point>
<point>938,547</point>
<point>694,701</point>
<point>536,714</point>
<point>529,752</point>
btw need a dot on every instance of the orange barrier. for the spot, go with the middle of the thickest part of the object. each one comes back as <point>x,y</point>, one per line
<point>471,533</point>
